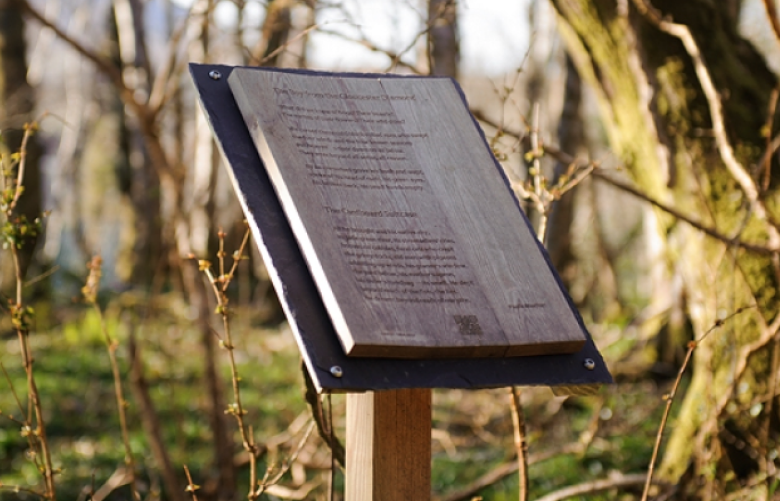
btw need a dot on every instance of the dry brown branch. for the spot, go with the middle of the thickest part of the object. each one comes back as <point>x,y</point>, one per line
<point>14,394</point>
<point>673,393</point>
<point>766,160</point>
<point>603,176</point>
<point>769,334</point>
<point>315,404</point>
<point>619,482</point>
<point>163,82</point>
<point>299,494</point>
<point>220,285</point>
<point>24,424</point>
<point>90,292</point>
<point>735,241</point>
<point>269,480</point>
<point>147,117</point>
<point>15,232</point>
<point>120,477</point>
<point>303,34</point>
<point>103,64</point>
<point>191,486</point>
<point>151,421</point>
<point>17,489</point>
<point>506,469</point>
<point>771,13</point>
<point>394,56</point>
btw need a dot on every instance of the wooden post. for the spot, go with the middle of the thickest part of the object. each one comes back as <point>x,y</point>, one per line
<point>389,445</point>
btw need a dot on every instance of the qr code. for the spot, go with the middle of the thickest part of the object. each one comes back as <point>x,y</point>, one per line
<point>468,325</point>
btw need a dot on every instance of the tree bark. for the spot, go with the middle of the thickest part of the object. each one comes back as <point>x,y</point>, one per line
<point>17,107</point>
<point>571,138</point>
<point>443,43</point>
<point>136,175</point>
<point>660,124</point>
<point>275,31</point>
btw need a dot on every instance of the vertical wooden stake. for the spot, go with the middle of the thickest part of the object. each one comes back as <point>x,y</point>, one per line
<point>389,445</point>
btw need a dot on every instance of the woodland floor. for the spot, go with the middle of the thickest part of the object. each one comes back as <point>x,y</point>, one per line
<point>577,438</point>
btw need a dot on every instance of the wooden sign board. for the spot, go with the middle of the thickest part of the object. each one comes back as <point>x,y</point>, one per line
<point>416,243</point>
<point>331,370</point>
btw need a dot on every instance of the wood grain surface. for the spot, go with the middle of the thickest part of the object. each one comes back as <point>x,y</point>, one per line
<point>416,244</point>
<point>389,446</point>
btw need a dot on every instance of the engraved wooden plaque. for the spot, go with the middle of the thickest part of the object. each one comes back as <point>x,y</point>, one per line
<point>415,242</point>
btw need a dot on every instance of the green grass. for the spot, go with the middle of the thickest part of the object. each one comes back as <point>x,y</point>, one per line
<point>474,430</point>
<point>74,377</point>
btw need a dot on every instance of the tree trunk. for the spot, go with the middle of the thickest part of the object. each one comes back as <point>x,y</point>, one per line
<point>136,175</point>
<point>443,43</point>
<point>275,31</point>
<point>571,138</point>
<point>17,107</point>
<point>660,124</point>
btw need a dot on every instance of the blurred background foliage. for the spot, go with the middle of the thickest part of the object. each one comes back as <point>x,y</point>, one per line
<point>670,235</point>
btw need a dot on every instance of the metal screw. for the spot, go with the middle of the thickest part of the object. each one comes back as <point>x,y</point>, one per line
<point>215,75</point>
<point>589,364</point>
<point>336,371</point>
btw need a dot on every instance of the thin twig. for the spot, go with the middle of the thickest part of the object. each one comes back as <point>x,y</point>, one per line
<point>90,291</point>
<point>709,231</point>
<point>43,276</point>
<point>771,13</point>
<point>268,481</point>
<point>394,56</point>
<point>219,285</point>
<point>17,489</point>
<point>621,481</point>
<point>303,34</point>
<point>20,168</point>
<point>603,176</point>
<point>502,471</point>
<point>766,160</point>
<point>671,395</point>
<point>160,89</point>
<point>151,420</point>
<point>191,487</point>
<point>20,313</point>
<point>13,390</point>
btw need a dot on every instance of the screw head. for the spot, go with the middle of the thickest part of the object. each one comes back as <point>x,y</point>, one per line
<point>589,364</point>
<point>215,75</point>
<point>336,371</point>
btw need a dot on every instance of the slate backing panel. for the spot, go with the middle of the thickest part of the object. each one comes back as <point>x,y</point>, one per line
<point>305,312</point>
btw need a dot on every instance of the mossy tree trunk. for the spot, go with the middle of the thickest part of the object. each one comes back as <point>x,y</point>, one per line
<point>659,123</point>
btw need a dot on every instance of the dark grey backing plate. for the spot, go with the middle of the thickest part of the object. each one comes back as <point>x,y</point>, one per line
<point>305,312</point>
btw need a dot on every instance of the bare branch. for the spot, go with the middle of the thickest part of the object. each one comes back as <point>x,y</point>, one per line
<point>103,64</point>
<point>771,144</point>
<point>504,470</point>
<point>395,56</point>
<point>712,232</point>
<point>670,398</point>
<point>767,250</point>
<point>771,13</point>
<point>161,87</point>
<point>619,482</point>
